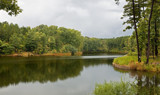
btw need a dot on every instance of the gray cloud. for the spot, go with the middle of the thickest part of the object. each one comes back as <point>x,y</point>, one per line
<point>94,18</point>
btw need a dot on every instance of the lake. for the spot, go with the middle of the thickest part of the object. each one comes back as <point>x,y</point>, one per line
<point>74,75</point>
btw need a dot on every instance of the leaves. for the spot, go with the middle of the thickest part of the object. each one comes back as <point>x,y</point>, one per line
<point>10,6</point>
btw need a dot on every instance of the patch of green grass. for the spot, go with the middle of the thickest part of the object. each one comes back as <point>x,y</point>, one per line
<point>116,88</point>
<point>125,60</point>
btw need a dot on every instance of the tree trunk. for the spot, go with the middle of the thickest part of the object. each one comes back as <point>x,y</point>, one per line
<point>153,49</point>
<point>146,48</point>
<point>135,27</point>
<point>149,30</point>
<point>156,39</point>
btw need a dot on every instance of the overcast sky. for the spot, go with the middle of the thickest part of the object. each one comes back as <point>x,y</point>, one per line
<point>94,18</point>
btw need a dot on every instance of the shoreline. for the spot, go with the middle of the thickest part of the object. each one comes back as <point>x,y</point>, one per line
<point>29,54</point>
<point>123,67</point>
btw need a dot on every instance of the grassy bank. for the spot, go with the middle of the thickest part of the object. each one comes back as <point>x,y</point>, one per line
<point>130,62</point>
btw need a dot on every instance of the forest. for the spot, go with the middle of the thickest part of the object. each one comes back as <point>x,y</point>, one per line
<point>53,39</point>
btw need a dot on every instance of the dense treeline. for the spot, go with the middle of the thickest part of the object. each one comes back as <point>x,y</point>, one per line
<point>39,40</point>
<point>143,16</point>
<point>113,45</point>
<point>53,39</point>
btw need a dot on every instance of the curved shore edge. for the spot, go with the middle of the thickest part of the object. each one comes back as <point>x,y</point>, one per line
<point>140,67</point>
<point>124,67</point>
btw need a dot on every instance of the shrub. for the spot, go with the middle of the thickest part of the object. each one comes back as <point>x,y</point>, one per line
<point>150,67</point>
<point>54,51</point>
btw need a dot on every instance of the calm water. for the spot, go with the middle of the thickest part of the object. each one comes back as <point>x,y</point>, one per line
<point>64,75</point>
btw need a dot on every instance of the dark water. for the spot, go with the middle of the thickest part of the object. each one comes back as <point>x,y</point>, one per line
<point>64,75</point>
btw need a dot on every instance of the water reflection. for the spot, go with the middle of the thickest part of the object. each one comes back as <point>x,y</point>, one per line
<point>70,75</point>
<point>148,82</point>
<point>43,69</point>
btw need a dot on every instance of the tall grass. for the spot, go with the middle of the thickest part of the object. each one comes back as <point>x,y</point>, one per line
<point>116,88</point>
<point>125,88</point>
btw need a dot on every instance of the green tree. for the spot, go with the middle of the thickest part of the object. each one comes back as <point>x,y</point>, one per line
<point>132,11</point>
<point>6,48</point>
<point>51,42</point>
<point>10,6</point>
<point>69,49</point>
<point>31,43</point>
<point>16,42</point>
<point>149,30</point>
